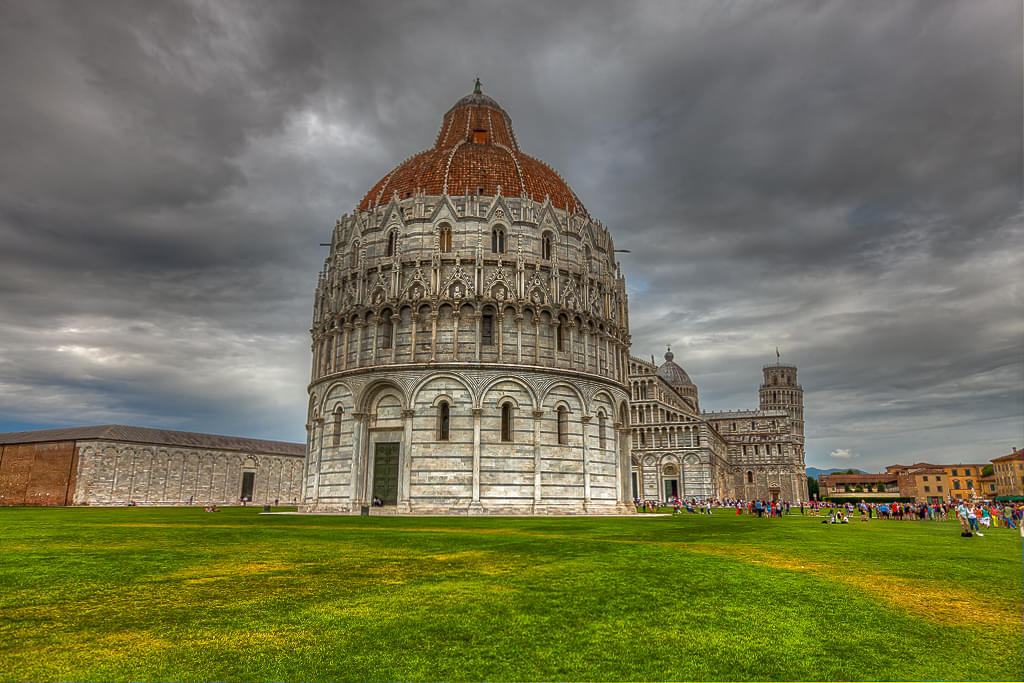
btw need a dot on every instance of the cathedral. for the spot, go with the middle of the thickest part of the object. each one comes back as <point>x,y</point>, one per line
<point>679,451</point>
<point>471,345</point>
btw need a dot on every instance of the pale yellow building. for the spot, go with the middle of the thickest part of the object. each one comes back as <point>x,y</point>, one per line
<point>1009,474</point>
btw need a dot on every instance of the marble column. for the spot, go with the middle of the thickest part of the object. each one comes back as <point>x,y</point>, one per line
<point>585,423</point>
<point>395,320</point>
<point>358,460</point>
<point>404,499</point>
<point>537,491</point>
<point>414,322</point>
<point>477,417</point>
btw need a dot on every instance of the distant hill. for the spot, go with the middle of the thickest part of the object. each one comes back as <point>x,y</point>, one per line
<point>815,472</point>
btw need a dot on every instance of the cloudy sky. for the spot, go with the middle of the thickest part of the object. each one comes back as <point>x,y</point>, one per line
<point>839,179</point>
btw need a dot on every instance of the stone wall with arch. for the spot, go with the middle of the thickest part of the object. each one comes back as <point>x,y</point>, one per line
<point>475,470</point>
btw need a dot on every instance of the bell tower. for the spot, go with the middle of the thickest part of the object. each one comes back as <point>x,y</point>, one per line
<point>780,391</point>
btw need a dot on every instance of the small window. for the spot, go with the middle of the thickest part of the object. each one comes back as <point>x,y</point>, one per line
<point>926,477</point>
<point>643,441</point>
<point>498,241</point>
<point>546,246</point>
<point>387,333</point>
<point>392,242</point>
<point>734,426</point>
<point>446,240</point>
<point>480,137</point>
<point>955,474</point>
<point>506,422</point>
<point>939,489</point>
<point>559,337</point>
<point>956,482</point>
<point>443,421</point>
<point>337,426</point>
<point>487,330</point>
<point>756,451</point>
<point>753,426</point>
<point>750,477</point>
<point>600,430</point>
<point>355,255</point>
<point>927,489</point>
<point>563,426</point>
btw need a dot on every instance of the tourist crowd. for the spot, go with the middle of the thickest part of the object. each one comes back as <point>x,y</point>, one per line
<point>973,516</point>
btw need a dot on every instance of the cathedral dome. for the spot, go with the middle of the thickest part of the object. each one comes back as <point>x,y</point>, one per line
<point>476,152</point>
<point>672,373</point>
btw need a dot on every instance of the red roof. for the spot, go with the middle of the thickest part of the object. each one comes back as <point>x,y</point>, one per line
<point>475,151</point>
<point>1016,455</point>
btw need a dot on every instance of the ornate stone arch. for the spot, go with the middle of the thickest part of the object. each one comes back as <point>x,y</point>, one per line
<point>485,390</point>
<point>592,404</point>
<point>443,375</point>
<point>373,391</point>
<point>335,394</point>
<point>573,389</point>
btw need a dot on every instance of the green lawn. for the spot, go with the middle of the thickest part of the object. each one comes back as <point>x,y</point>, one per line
<point>179,594</point>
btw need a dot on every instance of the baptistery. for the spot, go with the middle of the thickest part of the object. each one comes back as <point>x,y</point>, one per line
<point>470,340</point>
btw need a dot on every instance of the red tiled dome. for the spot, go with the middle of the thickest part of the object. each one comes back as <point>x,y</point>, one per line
<point>475,151</point>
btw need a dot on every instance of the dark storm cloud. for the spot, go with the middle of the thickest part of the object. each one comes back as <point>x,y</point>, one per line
<point>841,179</point>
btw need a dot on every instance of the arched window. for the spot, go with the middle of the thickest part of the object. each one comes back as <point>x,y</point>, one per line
<point>643,441</point>
<point>443,420</point>
<point>487,330</point>
<point>559,336</point>
<point>586,255</point>
<point>753,426</point>
<point>446,239</point>
<point>545,249</point>
<point>498,240</point>
<point>506,422</point>
<point>563,425</point>
<point>392,242</point>
<point>355,254</point>
<point>750,477</point>
<point>387,337</point>
<point>600,429</point>
<point>337,425</point>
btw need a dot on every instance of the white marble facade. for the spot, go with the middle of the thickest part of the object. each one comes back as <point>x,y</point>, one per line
<point>470,349</point>
<point>116,473</point>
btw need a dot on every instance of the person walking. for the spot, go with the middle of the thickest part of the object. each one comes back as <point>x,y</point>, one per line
<point>961,515</point>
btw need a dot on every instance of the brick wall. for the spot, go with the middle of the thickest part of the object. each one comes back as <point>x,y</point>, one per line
<point>37,473</point>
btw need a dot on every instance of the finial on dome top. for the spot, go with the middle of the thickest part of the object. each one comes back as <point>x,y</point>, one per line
<point>668,353</point>
<point>476,88</point>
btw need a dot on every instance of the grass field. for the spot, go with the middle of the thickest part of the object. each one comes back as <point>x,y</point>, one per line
<point>179,594</point>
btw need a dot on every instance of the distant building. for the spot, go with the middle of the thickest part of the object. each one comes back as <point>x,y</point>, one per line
<point>678,450</point>
<point>927,482</point>
<point>964,481</point>
<point>1009,474</point>
<point>115,465</point>
<point>866,486</point>
<point>988,487</point>
<point>922,482</point>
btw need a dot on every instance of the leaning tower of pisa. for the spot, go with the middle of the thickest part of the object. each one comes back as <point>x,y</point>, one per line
<point>780,391</point>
